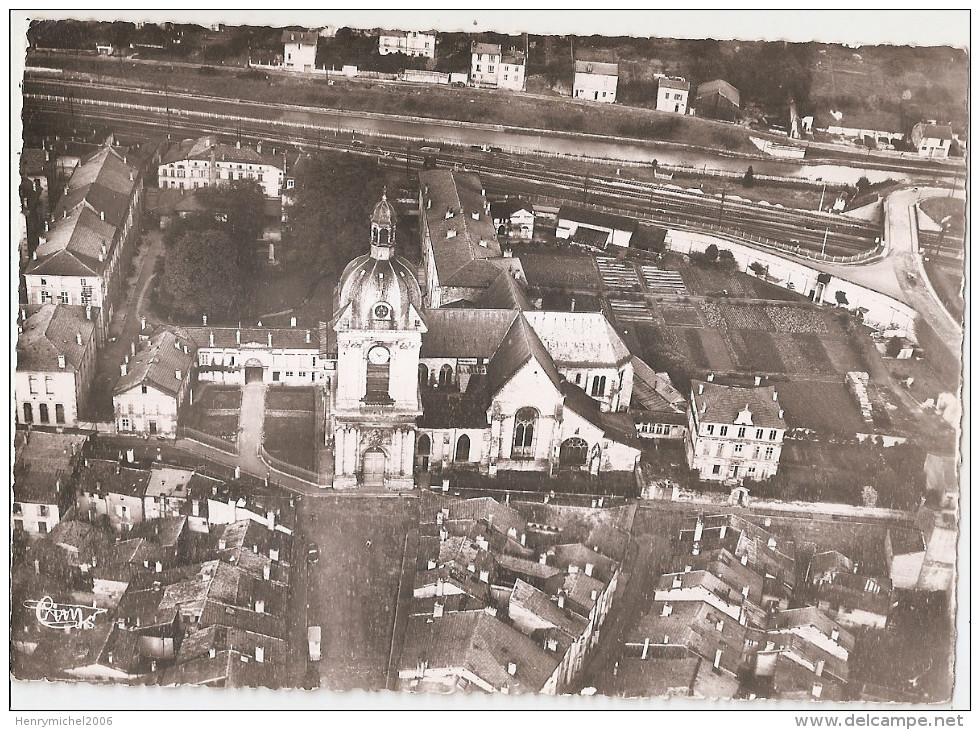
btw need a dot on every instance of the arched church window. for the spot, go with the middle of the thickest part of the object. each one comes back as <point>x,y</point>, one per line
<point>463,448</point>
<point>378,367</point>
<point>599,385</point>
<point>525,421</point>
<point>445,376</point>
<point>574,451</point>
<point>423,375</point>
<point>383,234</point>
<point>423,446</point>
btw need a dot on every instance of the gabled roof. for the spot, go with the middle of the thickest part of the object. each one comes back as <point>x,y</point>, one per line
<point>296,36</point>
<point>465,332</point>
<point>504,293</point>
<point>109,477</point>
<point>169,481</point>
<point>828,562</point>
<point>545,608</point>
<point>935,131</point>
<point>204,148</point>
<point>492,48</point>
<point>578,555</point>
<point>812,617</point>
<point>504,209</point>
<point>41,458</point>
<point>597,68</point>
<point>287,338</point>
<point>53,330</point>
<point>530,568</point>
<point>33,161</point>
<point>227,668</point>
<point>653,391</point>
<point>721,87</point>
<point>75,245</point>
<point>487,509</point>
<point>580,587</point>
<point>668,82</point>
<point>581,403</point>
<point>596,218</point>
<point>479,643</point>
<point>158,364</point>
<point>519,346</point>
<point>579,338</point>
<point>723,403</point>
<point>609,540</point>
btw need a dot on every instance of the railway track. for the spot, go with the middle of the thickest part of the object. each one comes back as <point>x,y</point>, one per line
<point>783,228</point>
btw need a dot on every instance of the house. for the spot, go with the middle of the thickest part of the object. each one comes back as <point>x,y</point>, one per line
<point>658,670</point>
<point>906,552</point>
<point>115,492</point>
<point>932,140</point>
<point>672,94</point>
<point>45,467</point>
<point>460,253</point>
<point>299,50</point>
<point>658,409</point>
<point>513,218</point>
<point>77,260</point>
<point>153,385</point>
<point>412,43</point>
<point>734,433</point>
<point>594,228</point>
<point>595,81</point>
<point>790,668</point>
<point>205,162</point>
<point>56,359</point>
<point>717,99</point>
<point>813,634</point>
<point>491,67</point>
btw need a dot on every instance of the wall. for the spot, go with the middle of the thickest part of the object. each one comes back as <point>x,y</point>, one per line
<point>139,409</point>
<point>59,389</point>
<point>883,310</point>
<point>33,516</point>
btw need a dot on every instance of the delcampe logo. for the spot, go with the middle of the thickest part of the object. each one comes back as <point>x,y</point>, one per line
<point>64,615</point>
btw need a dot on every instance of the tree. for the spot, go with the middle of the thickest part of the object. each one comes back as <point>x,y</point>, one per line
<point>869,496</point>
<point>748,180</point>
<point>201,275</point>
<point>758,269</point>
<point>862,185</point>
<point>726,259</point>
<point>711,253</point>
<point>894,346</point>
<point>841,298</point>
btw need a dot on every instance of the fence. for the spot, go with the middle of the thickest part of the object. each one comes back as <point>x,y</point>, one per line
<point>186,432</point>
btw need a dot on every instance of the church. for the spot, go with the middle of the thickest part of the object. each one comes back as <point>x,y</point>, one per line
<point>490,383</point>
<point>500,386</point>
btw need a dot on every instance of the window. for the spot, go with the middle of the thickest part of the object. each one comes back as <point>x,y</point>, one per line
<point>477,67</point>
<point>599,385</point>
<point>769,452</point>
<point>751,470</point>
<point>45,297</point>
<point>28,413</point>
<point>525,421</point>
<point>463,448</point>
<point>738,448</point>
<point>86,297</point>
<point>573,452</point>
<point>741,432</point>
<point>43,413</point>
<point>759,433</point>
<point>143,389</point>
<point>289,373</point>
<point>18,524</point>
<point>18,510</point>
<point>711,429</point>
<point>44,282</point>
<point>772,435</point>
<point>445,376</point>
<point>716,469</point>
<point>32,383</point>
<point>125,424</point>
<point>49,385</point>
<point>59,413</point>
<point>723,431</point>
<point>43,510</point>
<point>42,527</point>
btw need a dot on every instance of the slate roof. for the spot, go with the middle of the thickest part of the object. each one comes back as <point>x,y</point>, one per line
<point>608,540</point>
<point>490,511</point>
<point>546,608</point>
<point>492,48</point>
<point>667,82</point>
<point>504,209</point>
<point>225,669</point>
<point>935,131</point>
<point>596,218</point>
<point>512,56</point>
<point>446,409</point>
<point>108,477</point>
<point>75,535</point>
<point>481,644</point>
<point>104,182</point>
<point>530,568</point>
<point>520,345</point>
<point>74,245</point>
<point>811,616</point>
<point>40,460</point>
<point>33,161</point>
<point>579,338</point>
<point>721,87</point>
<point>560,270</point>
<point>651,392</point>
<point>462,259</point>
<point>287,338</point>
<point>828,562</point>
<point>156,365</point>
<point>596,68</point>
<point>296,36</point>
<point>579,588</point>
<point>202,148</point>
<point>906,542</point>
<point>504,293</point>
<point>723,403</point>
<point>656,677</point>
<point>168,481</point>
<point>465,332</point>
<point>578,555</point>
<point>851,591</point>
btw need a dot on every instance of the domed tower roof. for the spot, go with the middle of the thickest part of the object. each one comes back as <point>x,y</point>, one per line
<point>379,290</point>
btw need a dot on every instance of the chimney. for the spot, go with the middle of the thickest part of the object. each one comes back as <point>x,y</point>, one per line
<point>210,339</point>
<point>451,233</point>
<point>543,558</point>
<point>177,374</point>
<point>700,388</point>
<point>212,652</point>
<point>259,654</point>
<point>758,380</point>
<point>270,517</point>
<point>646,647</point>
<point>437,610</point>
<point>195,508</point>
<point>561,601</point>
<point>159,567</point>
<point>142,323</point>
<point>260,607</point>
<point>780,412</point>
<point>78,339</point>
<point>711,377</point>
<point>204,320</point>
<point>238,144</point>
<point>484,576</point>
<point>258,147</point>
<point>440,587</point>
<point>428,203</point>
<point>266,572</point>
<point>511,668</point>
<point>589,567</point>
<point>698,529</point>
<point>775,396</point>
<point>270,339</point>
<point>238,337</point>
<point>101,215</point>
<point>122,369</point>
<point>292,321</point>
<point>61,361</point>
<point>222,544</point>
<point>45,226</point>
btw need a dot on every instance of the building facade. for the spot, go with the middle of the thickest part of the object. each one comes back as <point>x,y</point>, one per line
<point>672,94</point>
<point>299,50</point>
<point>734,433</point>
<point>932,140</point>
<point>412,43</point>
<point>491,67</point>
<point>205,162</point>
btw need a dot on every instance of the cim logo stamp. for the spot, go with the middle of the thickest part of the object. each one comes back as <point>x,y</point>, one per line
<point>64,615</point>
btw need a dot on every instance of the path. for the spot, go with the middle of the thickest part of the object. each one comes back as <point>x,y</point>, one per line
<point>251,422</point>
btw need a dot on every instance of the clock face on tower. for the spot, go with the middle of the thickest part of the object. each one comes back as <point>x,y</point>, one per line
<point>382,311</point>
<point>379,355</point>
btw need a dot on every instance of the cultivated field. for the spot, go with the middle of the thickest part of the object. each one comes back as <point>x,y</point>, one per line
<point>216,410</point>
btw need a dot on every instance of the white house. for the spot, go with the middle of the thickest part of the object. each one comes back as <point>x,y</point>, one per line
<point>513,218</point>
<point>56,356</point>
<point>932,140</point>
<point>672,93</point>
<point>153,385</point>
<point>205,162</point>
<point>412,43</point>
<point>299,50</point>
<point>274,355</point>
<point>595,81</point>
<point>493,68</point>
<point>734,433</point>
<point>594,228</point>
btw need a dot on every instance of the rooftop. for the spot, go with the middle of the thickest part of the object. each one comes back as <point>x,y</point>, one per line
<point>596,67</point>
<point>728,404</point>
<point>164,363</point>
<point>285,338</point>
<point>41,459</point>
<point>596,218</point>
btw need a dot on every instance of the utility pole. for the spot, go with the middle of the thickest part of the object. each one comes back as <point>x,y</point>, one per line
<point>721,210</point>
<point>823,249</point>
<point>821,196</point>
<point>585,188</point>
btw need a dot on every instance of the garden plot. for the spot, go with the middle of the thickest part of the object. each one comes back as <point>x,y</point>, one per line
<point>663,282</point>
<point>745,317</point>
<point>617,274</point>
<point>816,355</point>
<point>796,319</point>
<point>630,311</point>
<point>714,280</point>
<point>717,350</point>
<point>291,399</point>
<point>677,315</point>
